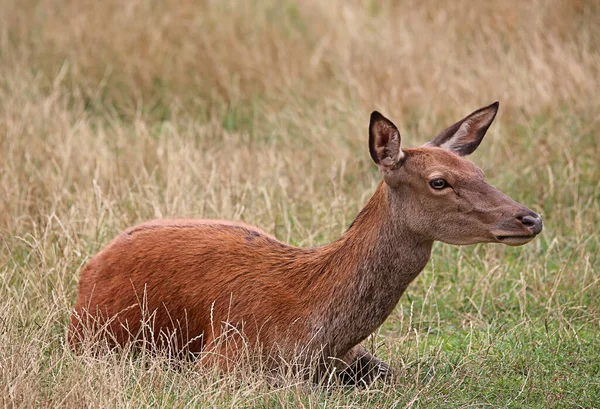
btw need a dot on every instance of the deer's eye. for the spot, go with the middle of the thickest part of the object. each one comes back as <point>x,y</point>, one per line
<point>438,184</point>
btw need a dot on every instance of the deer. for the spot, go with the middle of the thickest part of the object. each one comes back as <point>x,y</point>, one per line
<point>187,281</point>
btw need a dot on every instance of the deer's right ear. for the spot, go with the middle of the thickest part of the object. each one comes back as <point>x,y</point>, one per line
<point>384,142</point>
<point>465,136</point>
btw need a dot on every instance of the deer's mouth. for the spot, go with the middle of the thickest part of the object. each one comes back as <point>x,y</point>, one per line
<point>515,240</point>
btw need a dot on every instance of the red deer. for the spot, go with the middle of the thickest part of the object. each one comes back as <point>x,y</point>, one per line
<point>194,278</point>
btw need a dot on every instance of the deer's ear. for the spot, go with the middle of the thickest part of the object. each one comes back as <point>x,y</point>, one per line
<point>465,136</point>
<point>384,142</point>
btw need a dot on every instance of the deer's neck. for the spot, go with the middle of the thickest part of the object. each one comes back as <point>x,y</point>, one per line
<point>365,272</point>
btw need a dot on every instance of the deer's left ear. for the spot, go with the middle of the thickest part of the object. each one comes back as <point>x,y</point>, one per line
<point>465,136</point>
<point>384,142</point>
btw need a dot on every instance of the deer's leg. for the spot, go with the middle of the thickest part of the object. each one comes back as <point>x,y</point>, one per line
<point>362,368</point>
<point>223,352</point>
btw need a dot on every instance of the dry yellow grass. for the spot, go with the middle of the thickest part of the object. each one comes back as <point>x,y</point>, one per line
<point>112,113</point>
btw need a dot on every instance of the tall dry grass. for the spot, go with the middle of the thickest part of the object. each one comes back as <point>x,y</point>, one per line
<point>112,113</point>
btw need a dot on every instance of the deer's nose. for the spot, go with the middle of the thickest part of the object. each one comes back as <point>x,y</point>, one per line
<point>532,221</point>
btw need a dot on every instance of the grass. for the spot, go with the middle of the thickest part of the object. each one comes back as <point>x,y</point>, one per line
<point>114,113</point>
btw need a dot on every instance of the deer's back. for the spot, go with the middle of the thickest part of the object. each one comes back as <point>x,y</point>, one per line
<point>188,276</point>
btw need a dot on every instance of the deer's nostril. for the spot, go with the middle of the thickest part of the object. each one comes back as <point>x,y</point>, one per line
<point>532,221</point>
<point>528,220</point>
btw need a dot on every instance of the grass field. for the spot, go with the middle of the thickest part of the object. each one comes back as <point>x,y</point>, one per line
<point>115,112</point>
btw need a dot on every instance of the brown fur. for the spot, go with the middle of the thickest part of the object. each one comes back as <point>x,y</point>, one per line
<point>186,278</point>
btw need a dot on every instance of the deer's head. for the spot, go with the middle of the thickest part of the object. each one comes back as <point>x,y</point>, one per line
<point>442,196</point>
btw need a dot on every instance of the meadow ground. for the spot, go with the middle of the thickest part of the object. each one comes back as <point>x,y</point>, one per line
<point>115,112</point>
